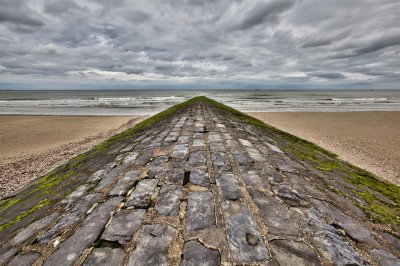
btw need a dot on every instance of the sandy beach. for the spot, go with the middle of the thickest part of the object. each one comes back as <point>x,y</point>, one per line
<point>32,145</point>
<point>370,140</point>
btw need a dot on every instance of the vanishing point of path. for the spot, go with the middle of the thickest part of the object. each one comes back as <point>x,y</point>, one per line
<point>201,187</point>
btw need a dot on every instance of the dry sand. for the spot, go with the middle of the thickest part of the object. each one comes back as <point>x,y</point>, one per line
<point>370,140</point>
<point>30,146</point>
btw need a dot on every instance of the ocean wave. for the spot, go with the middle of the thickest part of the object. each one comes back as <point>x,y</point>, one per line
<point>358,99</point>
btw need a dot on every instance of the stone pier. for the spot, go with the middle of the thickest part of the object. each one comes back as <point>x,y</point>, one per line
<point>204,185</point>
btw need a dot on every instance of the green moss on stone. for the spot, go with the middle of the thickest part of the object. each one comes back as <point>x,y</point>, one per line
<point>7,203</point>
<point>34,208</point>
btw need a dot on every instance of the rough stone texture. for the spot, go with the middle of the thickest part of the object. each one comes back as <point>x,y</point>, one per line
<point>70,250</point>
<point>195,253</point>
<point>105,256</point>
<point>70,218</point>
<point>245,241</point>
<point>291,196</point>
<point>175,176</point>
<point>125,183</point>
<point>198,158</point>
<point>228,187</point>
<point>124,225</point>
<point>289,252</point>
<point>199,177</point>
<point>32,229</point>
<point>153,245</point>
<point>384,258</point>
<point>168,200</point>
<point>327,239</point>
<point>180,151</point>
<point>27,259</point>
<point>200,211</point>
<point>199,188</point>
<point>140,197</point>
<point>274,215</point>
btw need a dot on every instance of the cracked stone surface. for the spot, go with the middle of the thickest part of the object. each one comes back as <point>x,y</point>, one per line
<point>202,187</point>
<point>105,256</point>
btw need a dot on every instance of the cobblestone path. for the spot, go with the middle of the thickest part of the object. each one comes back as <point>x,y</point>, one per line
<point>202,188</point>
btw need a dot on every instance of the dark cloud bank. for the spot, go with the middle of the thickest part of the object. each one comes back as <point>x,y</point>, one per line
<point>279,43</point>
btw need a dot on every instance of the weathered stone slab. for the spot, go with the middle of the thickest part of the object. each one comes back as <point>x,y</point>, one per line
<point>245,241</point>
<point>152,248</point>
<point>228,187</point>
<point>124,225</point>
<point>175,176</point>
<point>33,229</point>
<point>353,228</point>
<point>144,157</point>
<point>130,158</point>
<point>26,259</point>
<point>70,218</point>
<point>271,173</point>
<point>199,135</point>
<point>245,142</point>
<point>125,183</point>
<point>291,196</point>
<point>242,159</point>
<point>7,253</point>
<point>140,197</point>
<point>110,177</point>
<point>284,164</point>
<point>73,247</point>
<point>217,147</point>
<point>195,253</point>
<point>392,240</point>
<point>128,148</point>
<point>274,215</point>
<point>289,252</point>
<point>227,136</point>
<point>157,166</point>
<point>105,256</point>
<point>214,137</point>
<point>75,195</point>
<point>178,163</point>
<point>183,140</point>
<point>198,143</point>
<point>252,179</point>
<point>168,200</point>
<point>200,211</point>
<point>180,151</point>
<point>172,137</point>
<point>198,158</point>
<point>255,154</point>
<point>384,258</point>
<point>326,239</point>
<point>199,177</point>
<point>220,162</point>
<point>233,145</point>
<point>96,176</point>
<point>274,148</point>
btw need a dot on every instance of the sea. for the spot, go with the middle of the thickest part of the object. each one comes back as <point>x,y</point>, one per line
<point>149,102</point>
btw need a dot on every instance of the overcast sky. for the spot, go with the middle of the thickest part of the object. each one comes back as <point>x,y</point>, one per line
<point>280,43</point>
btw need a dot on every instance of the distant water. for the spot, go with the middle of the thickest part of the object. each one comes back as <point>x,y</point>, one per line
<point>148,102</point>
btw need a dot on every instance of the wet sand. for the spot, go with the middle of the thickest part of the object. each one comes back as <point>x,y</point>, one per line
<point>32,145</point>
<point>370,140</point>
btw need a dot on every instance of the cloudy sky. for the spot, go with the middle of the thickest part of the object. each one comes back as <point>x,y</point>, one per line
<point>225,43</point>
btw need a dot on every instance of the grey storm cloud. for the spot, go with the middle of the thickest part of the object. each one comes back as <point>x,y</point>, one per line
<point>327,75</point>
<point>16,12</point>
<point>309,42</point>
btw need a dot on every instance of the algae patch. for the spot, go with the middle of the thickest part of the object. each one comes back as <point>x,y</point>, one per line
<point>34,208</point>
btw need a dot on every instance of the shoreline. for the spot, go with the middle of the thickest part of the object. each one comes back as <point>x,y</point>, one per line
<point>17,170</point>
<point>367,139</point>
